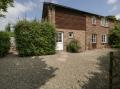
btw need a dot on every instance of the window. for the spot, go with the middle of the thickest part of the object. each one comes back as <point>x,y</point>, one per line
<point>104,39</point>
<point>59,37</point>
<point>104,22</point>
<point>93,20</point>
<point>94,38</point>
<point>71,35</point>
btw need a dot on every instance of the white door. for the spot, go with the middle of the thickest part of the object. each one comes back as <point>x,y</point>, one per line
<point>59,41</point>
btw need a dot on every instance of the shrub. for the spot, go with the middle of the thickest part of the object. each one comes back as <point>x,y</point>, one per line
<point>114,37</point>
<point>73,46</point>
<point>4,44</point>
<point>34,38</point>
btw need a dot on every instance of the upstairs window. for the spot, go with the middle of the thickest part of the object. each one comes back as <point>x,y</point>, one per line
<point>93,20</point>
<point>104,38</point>
<point>104,22</point>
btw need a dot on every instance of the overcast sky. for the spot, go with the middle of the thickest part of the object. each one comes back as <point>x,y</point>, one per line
<point>33,8</point>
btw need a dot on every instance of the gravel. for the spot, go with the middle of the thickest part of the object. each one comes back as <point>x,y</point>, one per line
<point>60,71</point>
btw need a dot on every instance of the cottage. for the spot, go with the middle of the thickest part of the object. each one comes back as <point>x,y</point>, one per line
<point>89,29</point>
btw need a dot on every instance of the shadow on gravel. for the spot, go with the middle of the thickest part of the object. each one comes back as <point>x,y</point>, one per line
<point>116,70</point>
<point>99,80</point>
<point>24,73</point>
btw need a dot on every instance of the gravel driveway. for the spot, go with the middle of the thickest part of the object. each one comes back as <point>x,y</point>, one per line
<point>60,71</point>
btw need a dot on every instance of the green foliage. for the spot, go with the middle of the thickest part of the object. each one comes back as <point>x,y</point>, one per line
<point>34,38</point>
<point>4,4</point>
<point>11,34</point>
<point>4,43</point>
<point>114,37</point>
<point>7,28</point>
<point>73,46</point>
<point>112,17</point>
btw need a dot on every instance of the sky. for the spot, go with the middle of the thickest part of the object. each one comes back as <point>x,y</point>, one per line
<point>32,9</point>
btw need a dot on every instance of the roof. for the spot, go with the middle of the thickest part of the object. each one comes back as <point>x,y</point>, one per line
<point>70,8</point>
<point>80,11</point>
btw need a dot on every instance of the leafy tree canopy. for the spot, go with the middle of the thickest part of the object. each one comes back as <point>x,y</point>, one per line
<point>4,4</point>
<point>112,17</point>
<point>114,36</point>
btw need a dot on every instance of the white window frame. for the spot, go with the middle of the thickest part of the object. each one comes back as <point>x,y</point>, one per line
<point>104,38</point>
<point>104,22</point>
<point>71,34</point>
<point>94,20</point>
<point>94,38</point>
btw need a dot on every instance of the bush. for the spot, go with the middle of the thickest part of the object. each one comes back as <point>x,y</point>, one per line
<point>114,37</point>
<point>73,46</point>
<point>4,43</point>
<point>34,38</point>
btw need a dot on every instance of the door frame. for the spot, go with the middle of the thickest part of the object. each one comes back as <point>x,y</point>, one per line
<point>62,42</point>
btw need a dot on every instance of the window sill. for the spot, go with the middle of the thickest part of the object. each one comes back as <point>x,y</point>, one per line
<point>104,43</point>
<point>94,24</point>
<point>105,26</point>
<point>94,42</point>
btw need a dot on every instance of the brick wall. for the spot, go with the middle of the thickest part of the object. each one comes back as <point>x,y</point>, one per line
<point>68,19</point>
<point>96,29</point>
<point>78,34</point>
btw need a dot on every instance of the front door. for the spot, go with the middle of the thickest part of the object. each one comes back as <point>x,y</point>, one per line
<point>59,41</point>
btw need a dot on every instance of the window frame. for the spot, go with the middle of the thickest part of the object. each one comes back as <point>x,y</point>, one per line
<point>104,38</point>
<point>94,20</point>
<point>94,38</point>
<point>72,35</point>
<point>107,23</point>
<point>104,22</point>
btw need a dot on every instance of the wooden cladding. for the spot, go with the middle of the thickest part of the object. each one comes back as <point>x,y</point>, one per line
<point>68,19</point>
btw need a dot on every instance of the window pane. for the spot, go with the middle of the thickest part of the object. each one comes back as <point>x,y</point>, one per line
<point>94,20</point>
<point>104,39</point>
<point>94,38</point>
<point>59,37</point>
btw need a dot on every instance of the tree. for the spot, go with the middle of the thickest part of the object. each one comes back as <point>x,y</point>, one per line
<point>111,17</point>
<point>4,4</point>
<point>114,36</point>
<point>8,28</point>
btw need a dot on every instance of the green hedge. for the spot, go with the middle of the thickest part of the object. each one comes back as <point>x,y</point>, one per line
<point>4,43</point>
<point>73,46</point>
<point>34,38</point>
